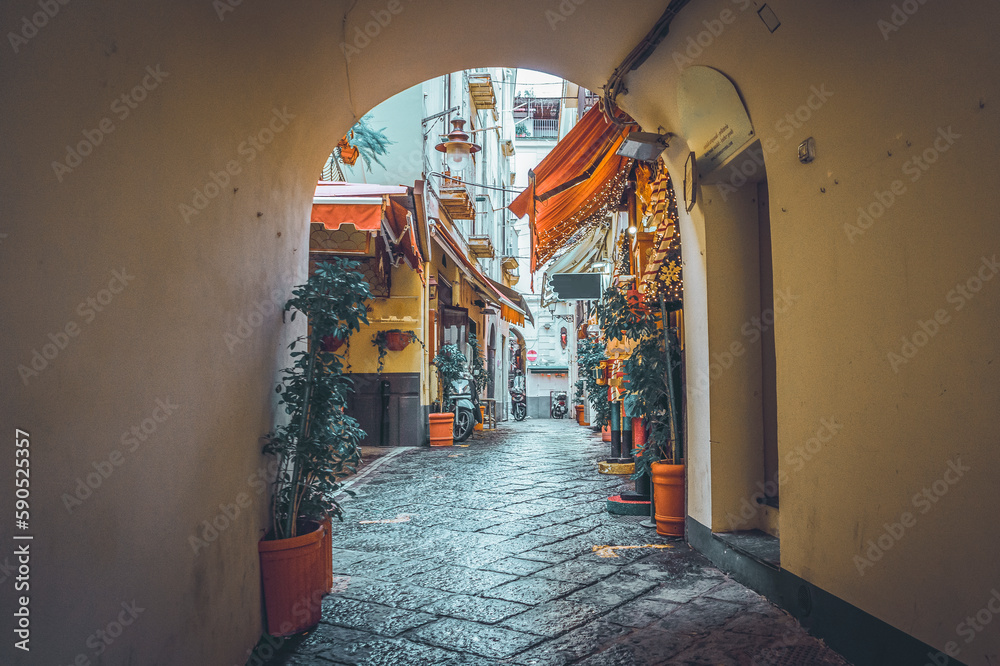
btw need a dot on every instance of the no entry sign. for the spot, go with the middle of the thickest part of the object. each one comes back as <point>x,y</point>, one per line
<point>532,355</point>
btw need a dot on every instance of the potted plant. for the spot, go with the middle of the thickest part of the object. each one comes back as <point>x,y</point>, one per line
<point>315,448</point>
<point>479,378</point>
<point>392,340</point>
<point>578,401</point>
<point>450,363</point>
<point>589,356</point>
<point>650,371</point>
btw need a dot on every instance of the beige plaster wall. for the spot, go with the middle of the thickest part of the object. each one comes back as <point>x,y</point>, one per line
<point>733,375</point>
<point>897,429</point>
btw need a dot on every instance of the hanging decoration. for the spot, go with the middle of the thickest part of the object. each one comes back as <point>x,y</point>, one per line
<point>664,272</point>
<point>348,153</point>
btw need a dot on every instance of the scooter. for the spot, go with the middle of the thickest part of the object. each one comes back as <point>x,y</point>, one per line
<point>465,405</point>
<point>519,404</point>
<point>559,405</point>
<point>518,398</point>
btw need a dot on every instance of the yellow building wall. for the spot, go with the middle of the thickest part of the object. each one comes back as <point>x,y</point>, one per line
<point>406,301</point>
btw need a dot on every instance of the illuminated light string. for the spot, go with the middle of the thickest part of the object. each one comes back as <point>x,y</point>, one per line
<point>667,275</point>
<point>571,229</point>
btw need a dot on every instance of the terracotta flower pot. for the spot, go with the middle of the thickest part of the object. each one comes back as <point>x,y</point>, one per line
<point>442,429</point>
<point>606,434</point>
<point>668,495</point>
<point>293,576</point>
<point>327,552</point>
<point>332,343</point>
<point>396,340</point>
<point>579,414</point>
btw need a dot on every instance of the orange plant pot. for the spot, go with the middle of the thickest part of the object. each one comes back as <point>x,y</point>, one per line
<point>442,429</point>
<point>606,434</point>
<point>668,495</point>
<point>292,573</point>
<point>396,340</point>
<point>482,414</point>
<point>579,414</point>
<point>327,553</point>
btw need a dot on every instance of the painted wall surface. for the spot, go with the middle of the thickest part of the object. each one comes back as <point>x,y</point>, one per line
<point>863,435</point>
<point>733,375</point>
<point>199,189</point>
<point>403,303</point>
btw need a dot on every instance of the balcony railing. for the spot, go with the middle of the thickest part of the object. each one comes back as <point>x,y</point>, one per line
<point>537,128</point>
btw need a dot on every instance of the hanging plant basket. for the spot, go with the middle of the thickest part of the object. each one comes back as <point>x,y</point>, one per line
<point>348,153</point>
<point>397,340</point>
<point>332,343</point>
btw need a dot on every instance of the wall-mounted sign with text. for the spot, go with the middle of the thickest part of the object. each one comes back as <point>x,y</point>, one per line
<point>713,118</point>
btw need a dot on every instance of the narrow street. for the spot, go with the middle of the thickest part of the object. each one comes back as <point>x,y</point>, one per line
<point>502,552</point>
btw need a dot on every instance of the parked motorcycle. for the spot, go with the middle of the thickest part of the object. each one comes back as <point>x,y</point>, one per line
<point>465,404</point>
<point>519,404</point>
<point>560,405</point>
<point>518,399</point>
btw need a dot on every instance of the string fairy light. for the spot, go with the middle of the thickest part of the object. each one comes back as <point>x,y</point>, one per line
<point>601,208</point>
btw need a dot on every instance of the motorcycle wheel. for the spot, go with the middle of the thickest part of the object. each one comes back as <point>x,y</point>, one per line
<point>520,411</point>
<point>465,423</point>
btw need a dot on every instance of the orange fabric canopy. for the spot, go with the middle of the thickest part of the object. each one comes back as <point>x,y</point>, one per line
<point>568,184</point>
<point>509,310</point>
<point>362,216</point>
<point>336,203</point>
<point>402,233</point>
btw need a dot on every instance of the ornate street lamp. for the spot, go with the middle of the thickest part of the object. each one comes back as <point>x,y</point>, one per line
<point>458,148</point>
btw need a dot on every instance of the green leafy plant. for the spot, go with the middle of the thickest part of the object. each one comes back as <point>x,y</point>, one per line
<point>318,445</point>
<point>578,394</point>
<point>370,142</point>
<point>381,342</point>
<point>648,370</point>
<point>450,363</point>
<point>478,364</point>
<point>589,354</point>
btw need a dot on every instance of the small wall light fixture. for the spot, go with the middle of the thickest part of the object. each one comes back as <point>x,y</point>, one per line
<point>644,146</point>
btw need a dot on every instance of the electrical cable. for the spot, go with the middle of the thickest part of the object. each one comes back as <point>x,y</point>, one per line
<point>615,85</point>
<point>465,182</point>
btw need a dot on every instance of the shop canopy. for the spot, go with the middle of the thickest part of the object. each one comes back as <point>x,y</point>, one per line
<point>574,185</point>
<point>512,307</point>
<point>386,209</point>
<point>336,204</point>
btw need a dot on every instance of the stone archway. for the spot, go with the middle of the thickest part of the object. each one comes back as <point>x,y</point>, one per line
<point>129,118</point>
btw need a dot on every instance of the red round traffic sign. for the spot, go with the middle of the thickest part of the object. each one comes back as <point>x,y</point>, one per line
<point>532,355</point>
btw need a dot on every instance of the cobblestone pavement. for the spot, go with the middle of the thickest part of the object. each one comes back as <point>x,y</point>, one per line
<point>486,555</point>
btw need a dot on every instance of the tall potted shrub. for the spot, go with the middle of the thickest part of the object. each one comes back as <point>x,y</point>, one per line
<point>315,448</point>
<point>450,363</point>
<point>589,355</point>
<point>650,369</point>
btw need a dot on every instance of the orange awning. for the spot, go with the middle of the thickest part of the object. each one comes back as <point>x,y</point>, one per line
<point>402,233</point>
<point>336,203</point>
<point>575,181</point>
<point>367,216</point>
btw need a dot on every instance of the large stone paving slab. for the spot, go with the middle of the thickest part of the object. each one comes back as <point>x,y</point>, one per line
<point>502,553</point>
